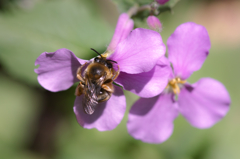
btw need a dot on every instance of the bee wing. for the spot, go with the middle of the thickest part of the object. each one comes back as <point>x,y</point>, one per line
<point>91,92</point>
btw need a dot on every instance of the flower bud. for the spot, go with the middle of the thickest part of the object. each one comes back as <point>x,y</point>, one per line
<point>162,1</point>
<point>154,23</point>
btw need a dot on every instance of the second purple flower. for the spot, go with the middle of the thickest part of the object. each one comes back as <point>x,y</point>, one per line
<point>202,104</point>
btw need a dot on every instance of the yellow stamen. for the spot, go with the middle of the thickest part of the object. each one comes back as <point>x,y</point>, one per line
<point>174,84</point>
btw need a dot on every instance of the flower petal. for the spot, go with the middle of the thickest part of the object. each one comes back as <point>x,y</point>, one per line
<point>139,52</point>
<point>123,28</point>
<point>146,84</point>
<point>188,48</point>
<point>151,119</point>
<point>107,114</point>
<point>57,70</point>
<point>204,103</point>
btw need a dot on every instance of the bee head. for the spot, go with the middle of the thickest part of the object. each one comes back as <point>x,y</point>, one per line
<point>103,60</point>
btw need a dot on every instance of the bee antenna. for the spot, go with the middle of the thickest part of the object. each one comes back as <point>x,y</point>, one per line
<point>112,61</point>
<point>96,52</point>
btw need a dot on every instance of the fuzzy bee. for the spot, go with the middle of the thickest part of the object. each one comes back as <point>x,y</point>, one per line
<point>96,82</point>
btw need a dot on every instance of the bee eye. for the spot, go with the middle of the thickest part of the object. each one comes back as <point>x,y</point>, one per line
<point>96,59</point>
<point>109,65</point>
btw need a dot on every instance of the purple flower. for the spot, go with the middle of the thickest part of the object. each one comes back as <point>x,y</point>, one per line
<point>136,53</point>
<point>202,104</point>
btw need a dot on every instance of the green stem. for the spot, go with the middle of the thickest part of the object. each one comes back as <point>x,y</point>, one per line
<point>154,9</point>
<point>136,9</point>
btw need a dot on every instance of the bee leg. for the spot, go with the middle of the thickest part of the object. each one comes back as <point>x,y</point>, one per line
<point>79,89</point>
<point>116,74</point>
<point>108,87</point>
<point>104,96</point>
<point>79,73</point>
<point>106,91</point>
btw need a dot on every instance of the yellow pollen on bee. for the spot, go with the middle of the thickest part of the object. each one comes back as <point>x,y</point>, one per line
<point>106,54</point>
<point>174,84</point>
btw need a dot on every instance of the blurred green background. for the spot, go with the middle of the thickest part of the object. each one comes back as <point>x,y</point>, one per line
<point>37,124</point>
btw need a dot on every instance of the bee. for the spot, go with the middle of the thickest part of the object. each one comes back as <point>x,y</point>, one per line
<point>96,82</point>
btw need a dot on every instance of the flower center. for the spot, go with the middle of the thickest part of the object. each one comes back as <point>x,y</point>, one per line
<point>175,84</point>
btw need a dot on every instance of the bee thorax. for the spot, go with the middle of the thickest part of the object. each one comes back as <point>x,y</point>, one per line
<point>95,72</point>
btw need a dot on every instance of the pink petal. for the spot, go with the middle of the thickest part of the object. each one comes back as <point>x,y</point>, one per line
<point>139,52</point>
<point>57,70</point>
<point>123,28</point>
<point>146,84</point>
<point>107,114</point>
<point>151,119</point>
<point>204,103</point>
<point>188,48</point>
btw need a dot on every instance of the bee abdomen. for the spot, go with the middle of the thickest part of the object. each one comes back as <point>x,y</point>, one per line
<point>90,105</point>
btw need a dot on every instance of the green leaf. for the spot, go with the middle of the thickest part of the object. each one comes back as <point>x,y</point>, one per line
<point>48,26</point>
